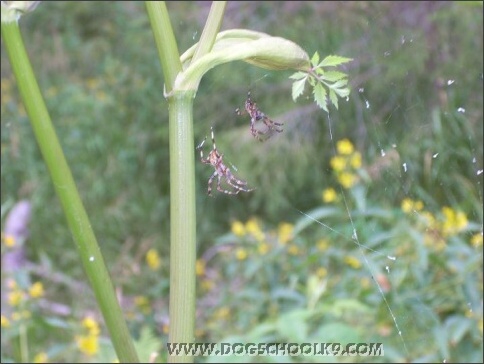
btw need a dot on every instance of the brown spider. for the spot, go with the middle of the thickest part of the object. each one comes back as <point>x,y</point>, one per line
<point>215,159</point>
<point>256,115</point>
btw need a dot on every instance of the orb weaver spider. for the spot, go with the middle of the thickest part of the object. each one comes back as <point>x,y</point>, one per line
<point>215,159</point>
<point>256,115</point>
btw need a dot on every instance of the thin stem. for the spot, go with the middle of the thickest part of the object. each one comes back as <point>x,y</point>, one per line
<point>165,41</point>
<point>66,190</point>
<point>212,26</point>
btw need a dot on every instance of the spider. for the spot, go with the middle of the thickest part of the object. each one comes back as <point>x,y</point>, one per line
<point>256,115</point>
<point>215,159</point>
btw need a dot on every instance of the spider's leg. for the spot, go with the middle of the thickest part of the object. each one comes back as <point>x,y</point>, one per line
<point>200,147</point>
<point>255,133</point>
<point>240,112</point>
<point>209,191</point>
<point>239,185</point>
<point>231,178</point>
<point>219,187</point>
<point>272,125</point>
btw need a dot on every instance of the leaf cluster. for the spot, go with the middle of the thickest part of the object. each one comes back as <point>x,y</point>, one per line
<point>324,82</point>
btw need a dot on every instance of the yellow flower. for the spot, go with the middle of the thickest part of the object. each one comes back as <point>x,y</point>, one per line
<point>165,328</point>
<point>200,267</point>
<point>285,232</point>
<point>476,240</point>
<point>93,83</point>
<point>355,160</point>
<point>418,205</point>
<point>222,313</point>
<point>322,244</point>
<point>352,262</point>
<point>143,303</point>
<point>88,344</point>
<point>329,195</point>
<point>344,147</point>
<point>252,227</point>
<point>407,205</point>
<point>461,220</point>
<point>263,248</point>
<point>15,298</point>
<point>338,163</point>
<point>241,254</point>
<point>141,300</point>
<point>91,324</point>
<point>37,290</point>
<point>293,249</point>
<point>238,228</point>
<point>346,179</point>
<point>41,358</point>
<point>453,221</point>
<point>5,322</point>
<point>153,259</point>
<point>207,284</point>
<point>321,272</point>
<point>9,241</point>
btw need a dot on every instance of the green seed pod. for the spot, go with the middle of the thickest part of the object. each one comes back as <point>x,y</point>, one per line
<point>258,49</point>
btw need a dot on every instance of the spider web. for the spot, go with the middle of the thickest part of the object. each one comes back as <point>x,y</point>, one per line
<point>404,45</point>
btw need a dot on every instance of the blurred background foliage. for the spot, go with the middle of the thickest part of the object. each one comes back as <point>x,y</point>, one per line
<point>267,272</point>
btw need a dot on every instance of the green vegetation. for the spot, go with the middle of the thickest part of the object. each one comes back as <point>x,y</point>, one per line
<point>398,162</point>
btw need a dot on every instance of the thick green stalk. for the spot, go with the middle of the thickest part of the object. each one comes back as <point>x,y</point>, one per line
<point>183,222</point>
<point>65,187</point>
<point>182,185</point>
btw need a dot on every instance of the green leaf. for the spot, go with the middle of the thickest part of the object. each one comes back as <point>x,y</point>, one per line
<point>342,92</point>
<point>320,96</point>
<point>333,98</point>
<point>333,76</point>
<point>334,61</point>
<point>339,84</point>
<point>315,59</point>
<point>298,88</point>
<point>298,75</point>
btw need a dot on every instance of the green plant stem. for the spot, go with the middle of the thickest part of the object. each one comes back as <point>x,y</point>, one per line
<point>210,31</point>
<point>66,190</point>
<point>182,185</point>
<point>183,223</point>
<point>165,41</point>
